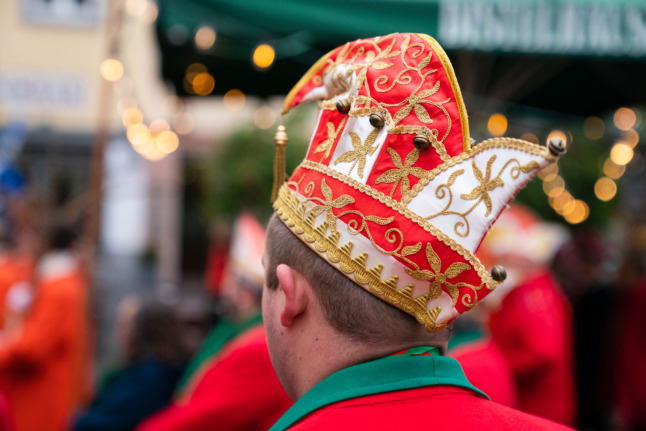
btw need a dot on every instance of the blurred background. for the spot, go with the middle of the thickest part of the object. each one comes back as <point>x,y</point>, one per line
<point>148,127</point>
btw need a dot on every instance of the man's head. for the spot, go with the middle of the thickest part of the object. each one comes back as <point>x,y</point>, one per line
<point>392,196</point>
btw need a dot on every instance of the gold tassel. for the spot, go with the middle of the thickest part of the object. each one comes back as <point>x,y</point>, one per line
<point>280,139</point>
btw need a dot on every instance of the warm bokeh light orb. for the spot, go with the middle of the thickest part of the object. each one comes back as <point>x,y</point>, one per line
<point>158,126</point>
<point>557,134</point>
<point>621,153</point>
<point>234,100</point>
<point>613,170</point>
<point>203,84</point>
<point>167,142</point>
<point>263,56</point>
<point>264,117</point>
<point>530,137</point>
<point>497,125</point>
<point>576,212</point>
<point>111,69</point>
<point>138,134</point>
<point>625,118</point>
<point>554,187</point>
<point>205,37</point>
<point>131,116</point>
<point>605,189</point>
<point>549,172</point>
<point>593,128</point>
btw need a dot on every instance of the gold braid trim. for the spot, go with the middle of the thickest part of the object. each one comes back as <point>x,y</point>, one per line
<point>414,217</point>
<point>292,212</point>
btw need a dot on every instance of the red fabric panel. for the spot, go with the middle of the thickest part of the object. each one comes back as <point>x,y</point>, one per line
<point>239,391</point>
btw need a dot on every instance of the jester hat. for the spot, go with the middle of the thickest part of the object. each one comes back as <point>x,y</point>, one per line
<point>392,192</point>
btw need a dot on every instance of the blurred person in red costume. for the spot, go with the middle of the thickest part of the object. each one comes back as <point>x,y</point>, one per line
<point>43,359</point>
<point>230,384</point>
<point>483,362</point>
<point>530,318</point>
<point>370,252</point>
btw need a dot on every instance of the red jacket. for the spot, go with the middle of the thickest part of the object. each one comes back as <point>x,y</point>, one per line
<point>43,369</point>
<point>403,393</point>
<point>533,329</point>
<point>237,391</point>
<point>487,369</point>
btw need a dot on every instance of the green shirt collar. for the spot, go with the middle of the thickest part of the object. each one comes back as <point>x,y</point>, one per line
<point>392,373</point>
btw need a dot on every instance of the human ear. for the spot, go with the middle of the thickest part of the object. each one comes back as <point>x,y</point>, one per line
<point>293,285</point>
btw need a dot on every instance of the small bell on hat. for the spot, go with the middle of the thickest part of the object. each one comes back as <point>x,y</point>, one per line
<point>392,192</point>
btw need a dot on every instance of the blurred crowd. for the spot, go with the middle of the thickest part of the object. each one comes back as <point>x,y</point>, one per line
<point>561,339</point>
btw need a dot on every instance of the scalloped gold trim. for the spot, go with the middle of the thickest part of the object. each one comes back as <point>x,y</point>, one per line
<point>292,212</point>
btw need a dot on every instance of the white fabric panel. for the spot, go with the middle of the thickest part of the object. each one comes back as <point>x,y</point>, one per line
<point>475,224</point>
<point>362,127</point>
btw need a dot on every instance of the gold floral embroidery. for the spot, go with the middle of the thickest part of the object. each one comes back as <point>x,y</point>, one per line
<point>437,278</point>
<point>332,133</point>
<point>486,185</point>
<point>359,153</point>
<point>328,204</point>
<point>401,171</point>
<point>481,192</point>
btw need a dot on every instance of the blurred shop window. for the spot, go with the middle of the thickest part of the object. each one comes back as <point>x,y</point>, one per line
<point>65,13</point>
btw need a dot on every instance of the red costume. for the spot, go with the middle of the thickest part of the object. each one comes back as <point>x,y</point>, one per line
<point>533,329</point>
<point>487,369</point>
<point>237,390</point>
<point>403,393</point>
<point>43,366</point>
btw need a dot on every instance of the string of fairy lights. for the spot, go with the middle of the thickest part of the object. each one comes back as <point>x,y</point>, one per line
<point>573,210</point>
<point>159,137</point>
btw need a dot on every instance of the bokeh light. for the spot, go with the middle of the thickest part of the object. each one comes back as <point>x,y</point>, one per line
<point>576,212</point>
<point>136,8</point>
<point>621,153</point>
<point>264,117</point>
<point>151,13</point>
<point>167,142</point>
<point>549,172</point>
<point>183,123</point>
<point>138,134</point>
<point>497,125</point>
<point>613,170</point>
<point>630,137</point>
<point>554,187</point>
<point>234,100</point>
<point>131,116</point>
<point>111,69</point>
<point>263,56</point>
<point>205,37</point>
<point>625,118</point>
<point>530,137</point>
<point>593,128</point>
<point>203,84</point>
<point>158,126</point>
<point>561,201</point>
<point>605,189</point>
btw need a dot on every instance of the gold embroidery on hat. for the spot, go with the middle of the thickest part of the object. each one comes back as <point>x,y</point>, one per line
<point>481,192</point>
<point>402,171</point>
<point>294,215</point>
<point>360,151</point>
<point>328,204</point>
<point>438,278</point>
<point>494,143</point>
<point>332,133</point>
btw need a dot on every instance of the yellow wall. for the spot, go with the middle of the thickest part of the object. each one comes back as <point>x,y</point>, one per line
<point>44,57</point>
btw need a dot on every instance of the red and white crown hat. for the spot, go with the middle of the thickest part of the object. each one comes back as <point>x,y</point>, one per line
<point>391,191</point>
